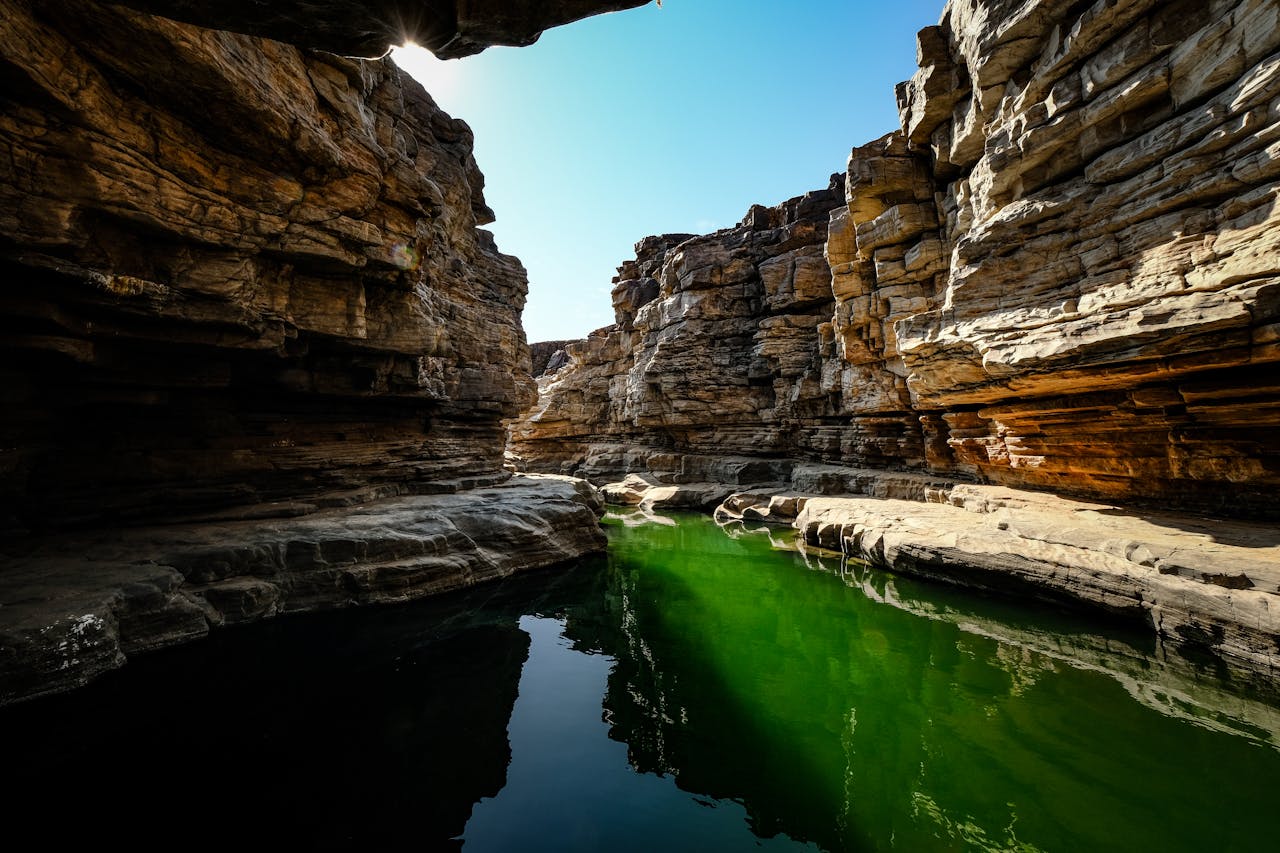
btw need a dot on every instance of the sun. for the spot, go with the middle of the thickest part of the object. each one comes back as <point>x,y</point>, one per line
<point>442,78</point>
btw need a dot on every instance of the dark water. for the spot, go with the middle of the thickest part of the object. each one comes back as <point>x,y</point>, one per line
<point>698,690</point>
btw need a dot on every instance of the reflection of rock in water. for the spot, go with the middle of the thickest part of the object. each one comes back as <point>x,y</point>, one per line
<point>679,719</point>
<point>1165,683</point>
<point>378,728</point>
<point>850,716</point>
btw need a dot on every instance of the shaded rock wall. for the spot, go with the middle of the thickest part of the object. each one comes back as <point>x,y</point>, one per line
<point>1061,273</point>
<point>543,356</point>
<point>719,348</point>
<point>236,272</point>
<point>449,28</point>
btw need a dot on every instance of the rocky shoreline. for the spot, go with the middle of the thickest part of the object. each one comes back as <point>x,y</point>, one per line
<point>74,607</point>
<point>1198,583</point>
<point>1026,342</point>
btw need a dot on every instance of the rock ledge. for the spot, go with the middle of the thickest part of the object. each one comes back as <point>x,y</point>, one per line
<point>73,608</point>
<point>1197,582</point>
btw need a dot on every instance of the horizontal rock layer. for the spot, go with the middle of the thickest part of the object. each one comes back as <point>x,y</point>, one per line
<point>1060,274</point>
<point>236,272</point>
<point>74,607</point>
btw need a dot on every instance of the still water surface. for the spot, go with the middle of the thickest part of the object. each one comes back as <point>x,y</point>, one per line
<point>699,689</point>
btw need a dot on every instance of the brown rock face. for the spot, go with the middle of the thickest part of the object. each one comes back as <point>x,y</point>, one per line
<point>449,28</point>
<point>716,349</point>
<point>1062,274</point>
<point>235,273</point>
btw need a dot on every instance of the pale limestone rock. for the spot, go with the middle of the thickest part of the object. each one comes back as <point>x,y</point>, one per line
<point>1063,274</point>
<point>1202,583</point>
<point>74,607</point>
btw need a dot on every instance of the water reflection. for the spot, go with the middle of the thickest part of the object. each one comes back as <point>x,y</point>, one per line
<point>1166,683</point>
<point>860,711</point>
<point>570,787</point>
<point>698,690</point>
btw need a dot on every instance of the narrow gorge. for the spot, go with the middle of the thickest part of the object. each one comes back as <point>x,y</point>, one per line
<point>258,349</point>
<point>263,357</point>
<point>931,509</point>
<point>1028,342</point>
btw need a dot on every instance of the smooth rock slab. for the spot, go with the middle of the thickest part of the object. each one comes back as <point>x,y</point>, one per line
<point>1196,582</point>
<point>73,608</point>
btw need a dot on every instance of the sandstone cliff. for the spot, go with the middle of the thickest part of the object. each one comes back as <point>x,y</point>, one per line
<point>1063,273</point>
<point>245,280</point>
<point>238,273</point>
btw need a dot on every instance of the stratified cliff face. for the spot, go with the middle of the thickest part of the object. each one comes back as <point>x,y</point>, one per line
<point>1063,273</point>
<point>236,272</point>
<point>718,349</point>
<point>1107,177</point>
<point>244,282</point>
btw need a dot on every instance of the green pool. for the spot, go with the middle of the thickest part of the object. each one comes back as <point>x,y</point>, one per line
<point>699,689</point>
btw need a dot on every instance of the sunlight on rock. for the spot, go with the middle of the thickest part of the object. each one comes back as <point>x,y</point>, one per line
<point>442,78</point>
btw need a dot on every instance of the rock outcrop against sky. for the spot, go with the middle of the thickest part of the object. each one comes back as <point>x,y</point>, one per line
<point>1062,273</point>
<point>242,272</point>
<point>369,28</point>
<point>245,283</point>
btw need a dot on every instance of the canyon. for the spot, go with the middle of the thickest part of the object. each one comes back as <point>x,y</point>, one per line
<point>263,358</point>
<point>1026,342</point>
<point>250,314</point>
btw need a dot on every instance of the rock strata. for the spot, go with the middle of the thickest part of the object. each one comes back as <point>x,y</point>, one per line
<point>237,273</point>
<point>74,607</point>
<point>1211,586</point>
<point>248,298</point>
<point>1060,274</point>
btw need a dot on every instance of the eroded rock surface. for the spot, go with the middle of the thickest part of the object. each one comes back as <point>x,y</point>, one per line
<point>1197,582</point>
<point>236,272</point>
<point>449,28</point>
<point>247,297</point>
<point>548,356</point>
<point>74,607</point>
<point>1106,179</point>
<point>1063,273</point>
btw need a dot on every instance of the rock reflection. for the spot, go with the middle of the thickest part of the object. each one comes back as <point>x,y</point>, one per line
<point>880,712</point>
<point>1166,683</point>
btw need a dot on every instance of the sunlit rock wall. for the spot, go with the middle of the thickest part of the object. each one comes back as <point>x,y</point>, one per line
<point>722,346</point>
<point>1063,272</point>
<point>236,272</point>
<point>1107,177</point>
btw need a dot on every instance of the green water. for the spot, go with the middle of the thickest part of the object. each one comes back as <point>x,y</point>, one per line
<point>697,690</point>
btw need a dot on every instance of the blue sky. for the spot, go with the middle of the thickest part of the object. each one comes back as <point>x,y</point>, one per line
<point>666,119</point>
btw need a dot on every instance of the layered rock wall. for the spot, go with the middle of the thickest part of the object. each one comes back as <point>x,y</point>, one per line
<point>236,272</point>
<point>1063,272</point>
<point>1106,180</point>
<point>244,283</point>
